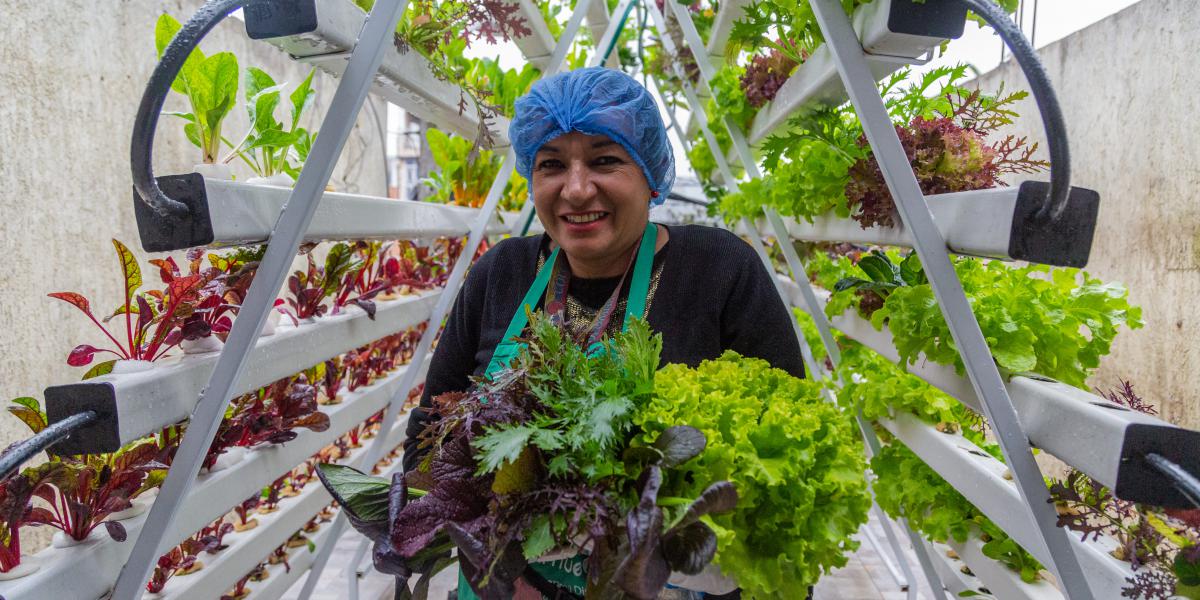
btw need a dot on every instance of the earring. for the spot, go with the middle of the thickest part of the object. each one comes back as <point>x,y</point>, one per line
<point>654,194</point>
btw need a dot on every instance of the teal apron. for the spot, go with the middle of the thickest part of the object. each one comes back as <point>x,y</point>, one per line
<point>569,573</point>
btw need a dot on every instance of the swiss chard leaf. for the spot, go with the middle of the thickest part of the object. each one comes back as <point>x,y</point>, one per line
<point>301,98</point>
<point>363,495</point>
<point>29,411</point>
<point>679,444</point>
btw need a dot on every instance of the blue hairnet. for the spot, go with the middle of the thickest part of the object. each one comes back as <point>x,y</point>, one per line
<point>595,101</point>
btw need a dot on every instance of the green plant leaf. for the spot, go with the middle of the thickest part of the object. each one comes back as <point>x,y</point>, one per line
<point>501,445</point>
<point>100,368</point>
<point>165,30</point>
<point>1187,571</point>
<point>130,270</point>
<point>363,495</point>
<point>272,138</point>
<point>301,97</point>
<point>29,411</point>
<point>539,538</point>
<point>257,80</point>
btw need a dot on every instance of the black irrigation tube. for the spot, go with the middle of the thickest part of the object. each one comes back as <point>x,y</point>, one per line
<point>175,54</point>
<point>1185,482</point>
<point>20,452</point>
<point>1047,101</point>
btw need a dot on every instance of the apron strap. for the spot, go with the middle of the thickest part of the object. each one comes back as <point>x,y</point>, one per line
<point>508,349</point>
<point>639,288</point>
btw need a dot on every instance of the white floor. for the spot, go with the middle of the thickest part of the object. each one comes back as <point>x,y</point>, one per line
<point>865,577</point>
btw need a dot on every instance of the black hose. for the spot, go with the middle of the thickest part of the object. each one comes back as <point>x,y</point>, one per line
<point>175,54</point>
<point>1185,482</point>
<point>20,452</point>
<point>1047,102</point>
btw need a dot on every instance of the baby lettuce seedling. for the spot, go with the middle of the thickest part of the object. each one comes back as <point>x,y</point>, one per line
<point>210,84</point>
<point>266,146</point>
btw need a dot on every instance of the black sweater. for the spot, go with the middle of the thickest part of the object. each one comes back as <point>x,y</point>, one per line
<point>713,295</point>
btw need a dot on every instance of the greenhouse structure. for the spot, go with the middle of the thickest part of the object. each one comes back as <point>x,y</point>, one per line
<point>272,409</point>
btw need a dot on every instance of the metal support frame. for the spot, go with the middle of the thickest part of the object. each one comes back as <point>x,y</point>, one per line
<point>931,247</point>
<point>707,71</point>
<point>374,39</point>
<point>457,274</point>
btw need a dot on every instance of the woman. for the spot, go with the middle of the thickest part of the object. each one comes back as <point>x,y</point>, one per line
<point>592,145</point>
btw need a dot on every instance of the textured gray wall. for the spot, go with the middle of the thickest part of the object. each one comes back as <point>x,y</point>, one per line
<point>71,75</point>
<point>1128,87</point>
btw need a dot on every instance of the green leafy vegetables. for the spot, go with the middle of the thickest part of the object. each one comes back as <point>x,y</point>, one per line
<point>1057,322</point>
<point>210,84</point>
<point>796,462</point>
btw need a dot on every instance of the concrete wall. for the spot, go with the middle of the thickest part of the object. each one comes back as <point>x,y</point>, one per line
<point>71,75</point>
<point>1128,87</point>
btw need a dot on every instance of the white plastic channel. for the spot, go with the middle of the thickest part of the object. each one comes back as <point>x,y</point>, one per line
<point>241,214</point>
<point>817,79</point>
<point>975,223</point>
<point>282,578</point>
<point>404,78</point>
<point>538,46</point>
<point>148,401</point>
<point>718,36</point>
<point>982,480</point>
<point>89,570</point>
<point>222,570</point>
<point>1001,581</point>
<point>954,573</point>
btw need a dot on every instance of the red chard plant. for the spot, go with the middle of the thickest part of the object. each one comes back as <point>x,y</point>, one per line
<point>151,319</point>
<point>332,380</point>
<point>280,556</point>
<point>83,491</point>
<point>309,289</point>
<point>240,590</point>
<point>15,496</point>
<point>271,414</point>
<point>243,511</point>
<point>362,280</point>
<point>271,497</point>
<point>212,538</point>
<point>170,564</point>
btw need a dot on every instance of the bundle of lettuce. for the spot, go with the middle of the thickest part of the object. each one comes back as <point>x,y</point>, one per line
<point>731,469</point>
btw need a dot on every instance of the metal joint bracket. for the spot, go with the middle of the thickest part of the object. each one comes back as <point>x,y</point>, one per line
<point>279,18</point>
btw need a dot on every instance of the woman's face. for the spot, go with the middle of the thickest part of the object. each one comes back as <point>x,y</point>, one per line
<point>593,200</point>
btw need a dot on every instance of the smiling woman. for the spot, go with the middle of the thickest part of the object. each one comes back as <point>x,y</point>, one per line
<point>592,145</point>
